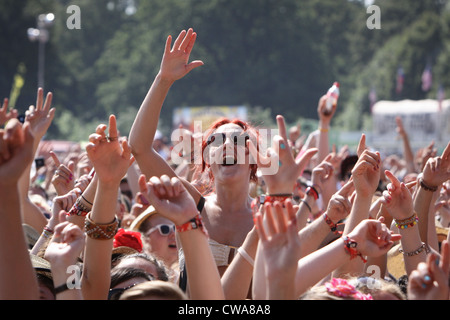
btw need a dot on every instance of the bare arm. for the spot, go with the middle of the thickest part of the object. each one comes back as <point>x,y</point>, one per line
<point>17,276</point>
<point>174,66</point>
<point>366,176</point>
<point>171,199</point>
<point>111,160</point>
<point>39,117</point>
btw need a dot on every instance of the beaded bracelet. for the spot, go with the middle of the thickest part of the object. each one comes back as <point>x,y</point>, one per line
<point>427,187</point>
<point>408,222</point>
<point>417,251</point>
<point>194,223</point>
<point>101,231</point>
<point>350,247</point>
<point>47,232</point>
<point>79,209</point>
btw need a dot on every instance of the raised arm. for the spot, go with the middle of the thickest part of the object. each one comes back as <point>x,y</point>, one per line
<point>324,127</point>
<point>280,249</point>
<point>407,150</point>
<point>39,118</point>
<point>366,176</point>
<point>171,199</point>
<point>174,66</point>
<point>62,253</point>
<point>368,238</point>
<point>399,203</point>
<point>435,172</point>
<point>338,209</point>
<point>111,160</point>
<point>17,277</point>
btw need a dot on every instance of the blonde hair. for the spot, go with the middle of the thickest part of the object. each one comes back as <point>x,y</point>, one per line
<point>154,290</point>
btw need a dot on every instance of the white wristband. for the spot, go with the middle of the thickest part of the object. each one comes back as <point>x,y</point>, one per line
<point>246,256</point>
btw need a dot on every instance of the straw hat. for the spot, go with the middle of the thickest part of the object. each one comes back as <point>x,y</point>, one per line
<point>41,266</point>
<point>31,234</point>
<point>395,262</point>
<point>135,225</point>
<point>442,234</point>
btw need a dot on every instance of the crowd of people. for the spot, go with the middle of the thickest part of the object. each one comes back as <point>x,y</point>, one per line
<point>119,219</point>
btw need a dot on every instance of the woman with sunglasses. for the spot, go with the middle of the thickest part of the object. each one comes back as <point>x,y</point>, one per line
<point>227,211</point>
<point>159,239</point>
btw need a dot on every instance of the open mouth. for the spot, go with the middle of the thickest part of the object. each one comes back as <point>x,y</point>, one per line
<point>172,246</point>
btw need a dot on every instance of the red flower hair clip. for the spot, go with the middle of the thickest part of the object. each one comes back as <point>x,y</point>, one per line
<point>127,238</point>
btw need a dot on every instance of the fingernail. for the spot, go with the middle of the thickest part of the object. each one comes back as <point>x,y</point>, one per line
<point>437,261</point>
<point>424,285</point>
<point>279,163</point>
<point>427,278</point>
<point>282,146</point>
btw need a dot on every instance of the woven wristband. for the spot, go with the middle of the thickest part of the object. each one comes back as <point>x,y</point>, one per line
<point>194,223</point>
<point>101,231</point>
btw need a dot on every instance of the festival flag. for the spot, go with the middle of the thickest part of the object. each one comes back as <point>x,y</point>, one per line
<point>427,78</point>
<point>400,80</point>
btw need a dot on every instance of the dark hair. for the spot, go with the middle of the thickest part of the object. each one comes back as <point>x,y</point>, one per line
<point>119,275</point>
<point>161,269</point>
<point>347,165</point>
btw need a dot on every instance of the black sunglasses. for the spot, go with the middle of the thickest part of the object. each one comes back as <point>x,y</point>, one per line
<point>219,138</point>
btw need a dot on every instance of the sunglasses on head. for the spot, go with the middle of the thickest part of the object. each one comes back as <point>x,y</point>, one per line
<point>238,138</point>
<point>164,229</point>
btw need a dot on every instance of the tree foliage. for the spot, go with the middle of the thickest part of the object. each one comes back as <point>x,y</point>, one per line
<point>271,55</point>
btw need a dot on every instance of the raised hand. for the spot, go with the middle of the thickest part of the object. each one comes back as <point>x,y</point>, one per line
<point>339,205</point>
<point>279,238</point>
<point>280,247</point>
<point>169,197</point>
<point>6,115</point>
<point>16,150</point>
<point>437,169</point>
<point>63,179</point>
<point>430,280</point>
<point>278,166</point>
<point>40,116</point>
<point>366,172</point>
<point>373,238</point>
<point>322,173</point>
<point>175,62</point>
<point>66,245</point>
<point>397,199</point>
<point>325,117</point>
<point>110,158</point>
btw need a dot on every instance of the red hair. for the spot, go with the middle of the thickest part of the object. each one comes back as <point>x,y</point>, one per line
<point>245,126</point>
